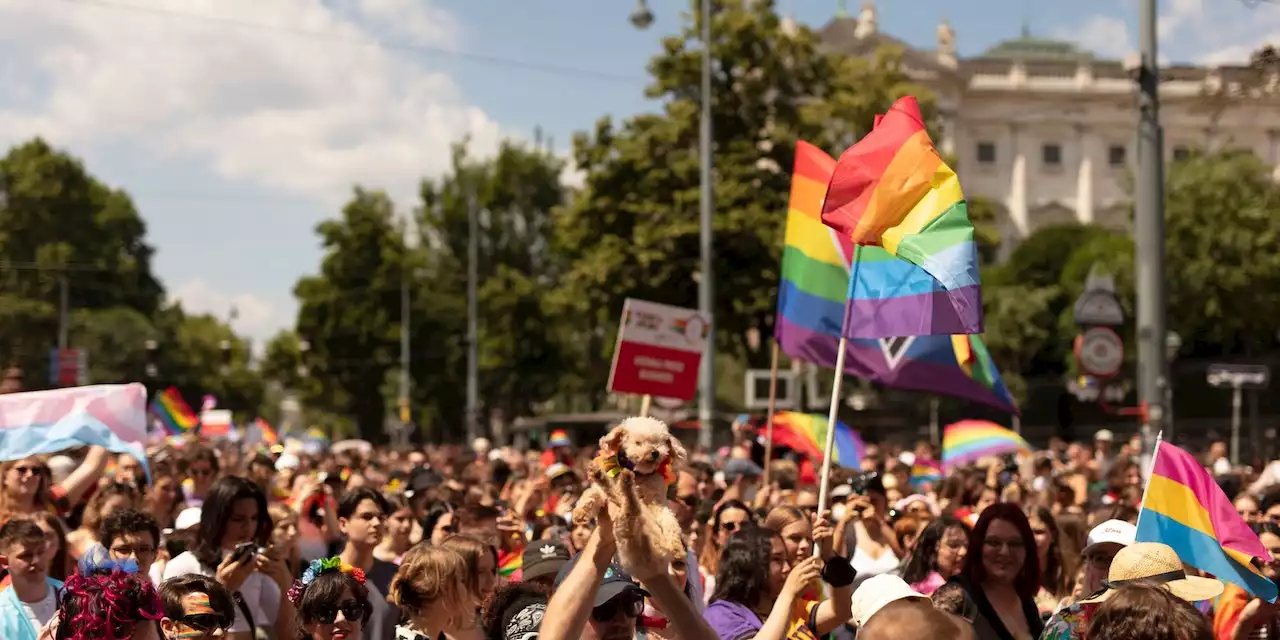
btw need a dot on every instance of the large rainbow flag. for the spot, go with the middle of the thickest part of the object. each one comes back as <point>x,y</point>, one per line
<point>1185,508</point>
<point>806,433</point>
<point>169,407</point>
<point>894,198</point>
<point>968,441</point>
<point>816,266</point>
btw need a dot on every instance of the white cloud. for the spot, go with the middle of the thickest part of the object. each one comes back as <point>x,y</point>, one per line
<point>254,317</point>
<point>290,94</point>
<point>1106,36</point>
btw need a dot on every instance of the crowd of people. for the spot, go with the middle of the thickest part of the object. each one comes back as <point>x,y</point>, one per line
<point>222,540</point>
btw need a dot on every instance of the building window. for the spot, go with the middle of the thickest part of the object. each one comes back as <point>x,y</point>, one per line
<point>1181,152</point>
<point>1117,155</point>
<point>1051,155</point>
<point>986,153</point>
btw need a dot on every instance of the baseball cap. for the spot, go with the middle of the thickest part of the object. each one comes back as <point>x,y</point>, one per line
<point>842,490</point>
<point>544,558</point>
<point>189,517</point>
<point>557,469</point>
<point>736,468</point>
<point>1112,531</point>
<point>878,591</point>
<point>616,582</point>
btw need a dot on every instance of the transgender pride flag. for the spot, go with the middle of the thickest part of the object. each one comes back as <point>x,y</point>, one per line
<point>113,416</point>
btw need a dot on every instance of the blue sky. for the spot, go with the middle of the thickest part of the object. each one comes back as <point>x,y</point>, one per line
<point>239,124</point>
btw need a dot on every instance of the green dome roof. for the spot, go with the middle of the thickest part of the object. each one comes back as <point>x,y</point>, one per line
<point>1028,47</point>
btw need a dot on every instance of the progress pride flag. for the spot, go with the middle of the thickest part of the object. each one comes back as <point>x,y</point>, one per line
<point>113,416</point>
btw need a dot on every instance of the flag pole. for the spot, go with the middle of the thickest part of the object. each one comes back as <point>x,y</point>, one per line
<point>825,486</point>
<point>1151,468</point>
<point>773,396</point>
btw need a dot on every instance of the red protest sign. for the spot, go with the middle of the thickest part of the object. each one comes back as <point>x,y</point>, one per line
<point>659,350</point>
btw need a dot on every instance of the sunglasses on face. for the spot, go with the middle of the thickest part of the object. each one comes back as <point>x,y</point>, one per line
<point>630,607</point>
<point>351,610</point>
<point>28,471</point>
<point>730,527</point>
<point>205,622</point>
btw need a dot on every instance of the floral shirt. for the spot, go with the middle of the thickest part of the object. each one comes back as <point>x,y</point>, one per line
<point>1069,623</point>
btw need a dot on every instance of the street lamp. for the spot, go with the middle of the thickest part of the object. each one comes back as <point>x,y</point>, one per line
<point>152,369</point>
<point>1172,345</point>
<point>642,18</point>
<point>225,346</point>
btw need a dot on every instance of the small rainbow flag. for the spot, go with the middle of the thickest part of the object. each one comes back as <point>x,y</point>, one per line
<point>806,433</point>
<point>1185,508</point>
<point>966,441</point>
<point>559,438</point>
<point>170,409</point>
<point>925,472</point>
<point>510,562</point>
<point>269,434</point>
<point>893,196</point>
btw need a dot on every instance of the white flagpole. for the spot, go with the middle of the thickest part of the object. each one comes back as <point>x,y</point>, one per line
<point>825,486</point>
<point>1151,467</point>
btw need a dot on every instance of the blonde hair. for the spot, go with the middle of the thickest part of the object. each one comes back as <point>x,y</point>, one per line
<point>42,501</point>
<point>780,518</point>
<point>431,575</point>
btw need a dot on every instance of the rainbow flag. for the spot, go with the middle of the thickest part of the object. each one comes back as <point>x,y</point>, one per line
<point>894,198</point>
<point>925,472</point>
<point>269,434</point>
<point>1185,508</point>
<point>816,266</point>
<point>806,433</point>
<point>559,438</point>
<point>171,410</point>
<point>966,441</point>
<point>510,562</point>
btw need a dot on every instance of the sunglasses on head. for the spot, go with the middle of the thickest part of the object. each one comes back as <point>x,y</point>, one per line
<point>627,606</point>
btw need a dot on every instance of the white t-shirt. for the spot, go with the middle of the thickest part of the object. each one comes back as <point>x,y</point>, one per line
<point>40,613</point>
<point>260,593</point>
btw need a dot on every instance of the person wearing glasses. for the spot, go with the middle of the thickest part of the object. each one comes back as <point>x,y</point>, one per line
<point>132,534</point>
<point>202,470</point>
<point>107,500</point>
<point>332,601</point>
<point>195,608</point>
<point>1105,540</point>
<point>729,517</point>
<point>28,487</point>
<point>996,589</point>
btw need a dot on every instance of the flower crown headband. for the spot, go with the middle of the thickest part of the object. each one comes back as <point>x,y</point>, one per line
<point>319,568</point>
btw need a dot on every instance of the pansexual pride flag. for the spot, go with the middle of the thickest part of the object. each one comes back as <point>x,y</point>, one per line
<point>1185,508</point>
<point>893,197</point>
<point>169,407</point>
<point>806,433</point>
<point>816,265</point>
<point>966,441</point>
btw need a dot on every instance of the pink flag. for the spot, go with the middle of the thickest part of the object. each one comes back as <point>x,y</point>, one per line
<point>113,416</point>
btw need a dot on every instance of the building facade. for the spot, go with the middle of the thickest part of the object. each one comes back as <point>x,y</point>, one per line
<point>1048,131</point>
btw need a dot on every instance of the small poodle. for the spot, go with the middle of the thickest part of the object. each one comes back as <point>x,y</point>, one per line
<point>638,460</point>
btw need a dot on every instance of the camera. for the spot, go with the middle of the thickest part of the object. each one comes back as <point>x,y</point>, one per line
<point>864,481</point>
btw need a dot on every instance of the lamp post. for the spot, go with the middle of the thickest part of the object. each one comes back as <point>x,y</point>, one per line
<point>642,17</point>
<point>152,346</point>
<point>1172,345</point>
<point>225,346</point>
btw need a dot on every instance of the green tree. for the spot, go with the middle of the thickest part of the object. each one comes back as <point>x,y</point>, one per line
<point>634,230</point>
<point>522,362</point>
<point>349,312</point>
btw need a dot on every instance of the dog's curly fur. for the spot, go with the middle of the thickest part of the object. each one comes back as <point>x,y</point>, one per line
<point>646,529</point>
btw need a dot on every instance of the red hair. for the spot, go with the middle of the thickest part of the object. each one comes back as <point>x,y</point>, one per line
<point>1027,583</point>
<point>107,605</point>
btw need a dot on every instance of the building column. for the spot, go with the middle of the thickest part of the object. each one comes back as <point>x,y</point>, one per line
<point>1017,199</point>
<point>1084,175</point>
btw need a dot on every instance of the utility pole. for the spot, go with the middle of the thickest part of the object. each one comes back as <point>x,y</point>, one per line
<point>473,354</point>
<point>406,415</point>
<point>1149,231</point>
<point>706,290</point>
<point>64,313</point>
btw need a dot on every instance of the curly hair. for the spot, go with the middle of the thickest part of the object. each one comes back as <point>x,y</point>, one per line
<point>506,602</point>
<point>106,605</point>
<point>128,521</point>
<point>745,562</point>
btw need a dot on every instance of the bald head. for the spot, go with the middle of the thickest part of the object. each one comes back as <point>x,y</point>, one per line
<point>912,619</point>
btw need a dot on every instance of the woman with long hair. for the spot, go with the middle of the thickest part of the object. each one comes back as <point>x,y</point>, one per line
<point>482,564</point>
<point>760,593</point>
<point>937,556</point>
<point>163,499</point>
<point>284,537</point>
<point>332,601</point>
<point>996,589</point>
<point>27,487</point>
<point>399,529</point>
<point>1056,555</point>
<point>110,498</point>
<point>60,563</point>
<point>440,522</point>
<point>431,589</point>
<point>729,517</point>
<point>234,527</point>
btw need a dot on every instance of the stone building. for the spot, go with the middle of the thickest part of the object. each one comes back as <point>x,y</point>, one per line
<point>1047,130</point>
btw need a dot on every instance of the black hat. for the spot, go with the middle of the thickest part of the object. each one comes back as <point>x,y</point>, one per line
<point>543,558</point>
<point>616,582</point>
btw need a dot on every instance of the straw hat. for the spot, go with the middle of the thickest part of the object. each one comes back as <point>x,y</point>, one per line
<point>1155,563</point>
